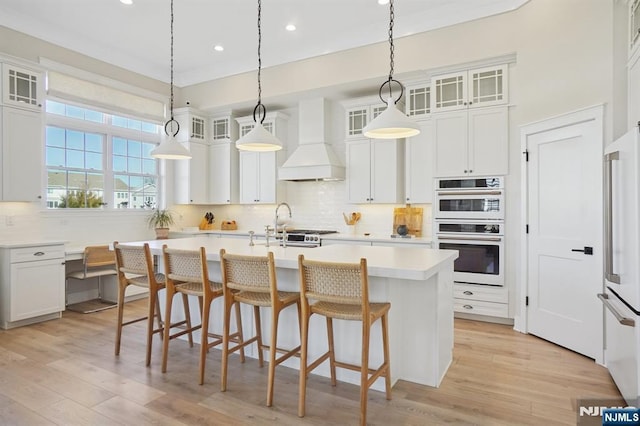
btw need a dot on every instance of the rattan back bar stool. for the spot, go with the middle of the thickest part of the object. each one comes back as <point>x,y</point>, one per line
<point>341,291</point>
<point>134,264</point>
<point>187,274</point>
<point>252,280</point>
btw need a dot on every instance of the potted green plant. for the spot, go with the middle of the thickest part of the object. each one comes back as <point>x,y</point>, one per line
<point>160,220</point>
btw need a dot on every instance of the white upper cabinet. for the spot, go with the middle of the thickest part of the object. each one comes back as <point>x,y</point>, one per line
<point>223,173</point>
<point>469,89</point>
<point>22,87</point>
<point>418,100</point>
<point>258,183</point>
<point>258,177</point>
<point>22,154</point>
<point>192,176</point>
<point>360,112</point>
<point>21,133</point>
<point>471,143</point>
<point>223,161</point>
<point>375,172</point>
<point>419,164</point>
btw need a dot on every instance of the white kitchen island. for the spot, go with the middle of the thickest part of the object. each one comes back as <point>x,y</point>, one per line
<point>418,283</point>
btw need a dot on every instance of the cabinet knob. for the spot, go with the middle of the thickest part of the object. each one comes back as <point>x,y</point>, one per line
<point>467,306</point>
<point>466,171</point>
<point>470,171</point>
<point>467,292</point>
<point>407,198</point>
<point>39,197</point>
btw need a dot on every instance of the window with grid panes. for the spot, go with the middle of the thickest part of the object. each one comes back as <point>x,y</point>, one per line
<point>97,159</point>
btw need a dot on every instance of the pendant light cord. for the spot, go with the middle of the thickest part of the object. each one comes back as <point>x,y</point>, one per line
<point>171,59</point>
<point>390,80</point>
<point>260,108</point>
<point>171,120</point>
<point>391,46</point>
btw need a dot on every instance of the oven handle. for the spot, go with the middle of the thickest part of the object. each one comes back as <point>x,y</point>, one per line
<point>619,317</point>
<point>469,193</point>
<point>470,238</point>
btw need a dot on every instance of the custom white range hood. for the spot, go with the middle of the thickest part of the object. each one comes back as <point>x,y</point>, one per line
<point>313,159</point>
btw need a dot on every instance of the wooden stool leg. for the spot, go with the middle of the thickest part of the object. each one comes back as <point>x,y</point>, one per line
<point>240,333</point>
<point>364,370</point>
<point>275,314</point>
<point>167,328</point>
<point>302,387</point>
<point>204,340</point>
<point>150,317</point>
<point>121,290</point>
<point>256,315</point>
<point>228,304</point>
<point>332,354</point>
<point>187,318</point>
<point>385,342</point>
<point>158,317</point>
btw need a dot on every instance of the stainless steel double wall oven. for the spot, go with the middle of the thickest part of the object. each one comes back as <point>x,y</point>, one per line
<point>469,217</point>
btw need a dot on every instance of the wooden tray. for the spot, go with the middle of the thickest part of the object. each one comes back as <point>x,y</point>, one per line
<point>409,216</point>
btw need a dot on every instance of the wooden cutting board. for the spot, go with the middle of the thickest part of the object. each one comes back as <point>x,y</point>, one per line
<point>409,216</point>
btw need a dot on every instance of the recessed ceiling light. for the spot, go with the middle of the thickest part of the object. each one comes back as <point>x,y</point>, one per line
<point>127,2</point>
<point>290,27</point>
<point>383,2</point>
<point>218,48</point>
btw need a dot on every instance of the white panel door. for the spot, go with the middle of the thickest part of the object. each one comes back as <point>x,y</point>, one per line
<point>386,186</point>
<point>564,199</point>
<point>249,169</point>
<point>220,173</point>
<point>267,177</point>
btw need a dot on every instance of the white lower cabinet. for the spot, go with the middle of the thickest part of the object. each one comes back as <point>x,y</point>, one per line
<point>481,300</point>
<point>31,284</point>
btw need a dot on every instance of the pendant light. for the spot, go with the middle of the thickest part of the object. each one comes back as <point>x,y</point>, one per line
<point>391,123</point>
<point>259,139</point>
<point>170,148</point>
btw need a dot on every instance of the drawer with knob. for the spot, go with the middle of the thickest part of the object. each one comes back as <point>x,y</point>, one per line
<point>479,307</point>
<point>487,293</point>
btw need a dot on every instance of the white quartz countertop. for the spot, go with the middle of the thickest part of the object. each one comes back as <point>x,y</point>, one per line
<point>331,237</point>
<point>411,263</point>
<point>30,243</point>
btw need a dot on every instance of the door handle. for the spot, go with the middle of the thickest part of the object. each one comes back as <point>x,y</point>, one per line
<point>585,250</point>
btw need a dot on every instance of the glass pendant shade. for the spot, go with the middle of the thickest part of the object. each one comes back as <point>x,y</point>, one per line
<point>391,124</point>
<point>258,139</point>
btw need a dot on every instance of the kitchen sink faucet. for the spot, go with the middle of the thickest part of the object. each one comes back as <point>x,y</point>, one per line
<point>275,222</point>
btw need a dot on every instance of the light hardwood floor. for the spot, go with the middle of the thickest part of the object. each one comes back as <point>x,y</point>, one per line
<point>64,372</point>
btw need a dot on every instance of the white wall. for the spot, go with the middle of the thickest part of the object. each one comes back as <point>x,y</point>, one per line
<point>565,62</point>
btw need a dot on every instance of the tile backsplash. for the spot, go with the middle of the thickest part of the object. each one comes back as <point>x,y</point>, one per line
<point>315,205</point>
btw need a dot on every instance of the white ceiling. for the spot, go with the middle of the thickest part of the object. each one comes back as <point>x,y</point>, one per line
<point>137,37</point>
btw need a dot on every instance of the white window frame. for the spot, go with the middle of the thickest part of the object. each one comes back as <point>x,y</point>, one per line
<point>109,131</point>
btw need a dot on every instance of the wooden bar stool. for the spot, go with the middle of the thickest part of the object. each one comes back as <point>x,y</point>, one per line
<point>252,280</point>
<point>187,273</point>
<point>135,267</point>
<point>341,291</point>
